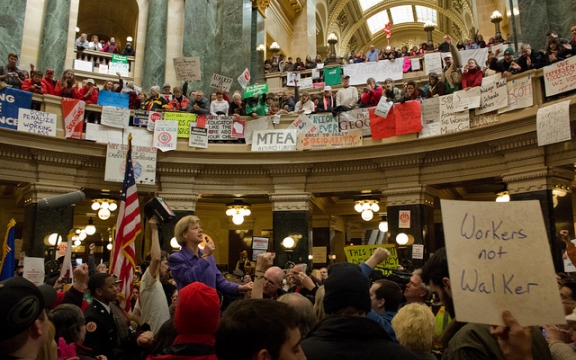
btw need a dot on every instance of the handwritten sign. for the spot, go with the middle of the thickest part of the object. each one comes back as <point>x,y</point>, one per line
<point>491,79</point>
<point>153,116</point>
<point>274,140</point>
<point>357,119</point>
<point>103,134</point>
<point>488,246</point>
<point>221,82</point>
<point>326,122</point>
<point>466,99</point>
<point>166,135</point>
<point>519,94</point>
<point>380,71</point>
<point>451,121</point>
<point>329,141</point>
<point>477,121</point>
<point>115,117</point>
<point>305,83</point>
<point>185,120</point>
<point>256,125</point>
<point>303,124</point>
<point>432,63</point>
<point>198,137</point>
<point>244,78</point>
<point>415,64</point>
<point>430,117</point>
<point>553,123</point>
<point>408,117</point>
<point>111,98</point>
<point>143,160</point>
<point>254,90</point>
<point>360,253</point>
<point>140,117</point>
<point>219,127</point>
<point>11,100</point>
<point>383,107</point>
<point>493,97</point>
<point>560,76</point>
<point>73,114</point>
<point>37,122</point>
<point>187,68</point>
<point>382,127</point>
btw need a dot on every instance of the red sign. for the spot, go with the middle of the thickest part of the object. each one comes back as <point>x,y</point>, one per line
<point>408,117</point>
<point>382,127</point>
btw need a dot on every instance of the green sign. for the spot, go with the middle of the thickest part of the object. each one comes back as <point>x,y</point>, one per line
<point>333,76</point>
<point>119,59</point>
<point>184,121</point>
<point>252,90</point>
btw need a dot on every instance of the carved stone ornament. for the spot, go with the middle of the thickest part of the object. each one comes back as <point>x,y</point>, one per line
<point>262,5</point>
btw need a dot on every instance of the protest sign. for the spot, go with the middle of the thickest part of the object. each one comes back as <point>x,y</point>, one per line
<point>34,269</point>
<point>276,119</point>
<point>491,79</point>
<point>383,107</point>
<point>185,120</point>
<point>305,83</point>
<point>82,65</point>
<point>357,119</point>
<point>140,137</point>
<point>319,254</point>
<point>553,123</point>
<point>493,97</point>
<point>187,68</point>
<point>255,125</point>
<point>274,140</point>
<point>415,64</point>
<point>73,114</point>
<point>252,90</point>
<point>519,94</point>
<point>315,74</point>
<point>487,246</point>
<point>326,122</point>
<point>380,71</point>
<point>329,141</point>
<point>103,69</point>
<point>382,127</point>
<point>112,98</point>
<point>333,76</point>
<point>430,117</point>
<point>166,135</point>
<point>560,76</point>
<point>219,127</point>
<point>432,63</point>
<point>451,121</point>
<point>320,65</point>
<point>292,77</point>
<point>115,117</point>
<point>408,117</point>
<point>11,100</point>
<point>360,253</point>
<point>479,55</point>
<point>404,218</point>
<point>119,64</point>
<point>103,134</point>
<point>244,78</point>
<point>483,119</point>
<point>303,124</point>
<point>466,99</point>
<point>153,116</point>
<point>37,122</point>
<point>220,82</point>
<point>418,251</point>
<point>143,160</point>
<point>238,127</point>
<point>198,137</point>
<point>141,117</point>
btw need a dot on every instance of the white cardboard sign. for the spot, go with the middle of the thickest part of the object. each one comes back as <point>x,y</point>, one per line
<point>553,123</point>
<point>37,122</point>
<point>115,117</point>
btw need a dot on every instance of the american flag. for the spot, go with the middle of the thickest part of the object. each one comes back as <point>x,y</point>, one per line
<point>128,227</point>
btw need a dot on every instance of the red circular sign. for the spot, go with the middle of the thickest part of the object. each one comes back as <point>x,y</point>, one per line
<point>155,116</point>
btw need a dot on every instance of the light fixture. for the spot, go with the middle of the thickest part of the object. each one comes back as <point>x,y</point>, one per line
<point>503,196</point>
<point>90,229</point>
<point>129,39</point>
<point>77,29</point>
<point>82,235</point>
<point>429,26</point>
<point>332,37</point>
<point>52,239</point>
<point>402,239</point>
<point>367,207</point>
<point>496,18</point>
<point>288,242</point>
<point>310,257</point>
<point>109,246</point>
<point>104,207</point>
<point>174,244</point>
<point>383,226</point>
<point>260,47</point>
<point>104,214</point>
<point>274,48</point>
<point>77,243</point>
<point>237,210</point>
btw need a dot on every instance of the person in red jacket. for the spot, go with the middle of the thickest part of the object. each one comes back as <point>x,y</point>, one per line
<point>372,93</point>
<point>111,47</point>
<point>89,93</point>
<point>179,102</point>
<point>50,83</point>
<point>67,86</point>
<point>34,84</point>
<point>472,75</point>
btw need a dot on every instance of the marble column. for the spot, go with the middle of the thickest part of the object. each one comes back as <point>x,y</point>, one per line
<point>12,14</point>
<point>257,37</point>
<point>54,40</point>
<point>200,39</point>
<point>155,53</point>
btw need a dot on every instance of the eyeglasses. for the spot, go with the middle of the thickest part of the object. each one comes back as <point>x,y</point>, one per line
<point>269,282</point>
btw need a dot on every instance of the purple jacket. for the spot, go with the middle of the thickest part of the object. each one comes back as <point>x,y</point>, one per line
<point>188,268</point>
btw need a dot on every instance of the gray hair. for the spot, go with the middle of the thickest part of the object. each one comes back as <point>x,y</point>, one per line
<point>418,272</point>
<point>155,88</point>
<point>304,309</point>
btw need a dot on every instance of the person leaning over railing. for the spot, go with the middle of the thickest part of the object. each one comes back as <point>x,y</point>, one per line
<point>372,93</point>
<point>156,101</point>
<point>67,87</point>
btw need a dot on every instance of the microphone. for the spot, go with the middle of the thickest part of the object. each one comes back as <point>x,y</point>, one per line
<point>60,201</point>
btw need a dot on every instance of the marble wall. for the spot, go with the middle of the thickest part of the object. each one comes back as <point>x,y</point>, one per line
<point>236,40</point>
<point>12,15</point>
<point>53,44</point>
<point>154,67</point>
<point>541,16</point>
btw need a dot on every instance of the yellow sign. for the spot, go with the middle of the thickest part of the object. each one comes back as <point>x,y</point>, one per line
<point>184,121</point>
<point>361,253</point>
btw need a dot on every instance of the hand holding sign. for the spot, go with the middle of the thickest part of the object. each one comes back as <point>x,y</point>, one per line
<point>515,341</point>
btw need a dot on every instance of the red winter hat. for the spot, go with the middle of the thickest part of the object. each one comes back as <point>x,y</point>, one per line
<point>197,314</point>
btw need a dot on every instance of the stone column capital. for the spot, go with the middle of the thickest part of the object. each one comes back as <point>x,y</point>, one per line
<point>409,195</point>
<point>261,5</point>
<point>180,202</point>
<point>541,178</point>
<point>292,202</point>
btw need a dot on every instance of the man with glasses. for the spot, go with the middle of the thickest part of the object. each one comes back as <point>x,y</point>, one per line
<point>268,279</point>
<point>198,104</point>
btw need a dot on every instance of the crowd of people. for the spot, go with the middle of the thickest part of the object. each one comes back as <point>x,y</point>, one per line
<point>185,308</point>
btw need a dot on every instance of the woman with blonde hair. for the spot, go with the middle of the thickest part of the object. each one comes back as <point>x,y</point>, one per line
<point>414,326</point>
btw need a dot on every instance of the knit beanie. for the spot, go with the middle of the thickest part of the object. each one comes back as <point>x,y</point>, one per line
<point>346,286</point>
<point>197,314</point>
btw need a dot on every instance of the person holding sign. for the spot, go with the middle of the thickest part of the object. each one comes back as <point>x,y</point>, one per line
<point>192,264</point>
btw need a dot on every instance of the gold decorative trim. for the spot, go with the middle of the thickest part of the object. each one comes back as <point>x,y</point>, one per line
<point>261,5</point>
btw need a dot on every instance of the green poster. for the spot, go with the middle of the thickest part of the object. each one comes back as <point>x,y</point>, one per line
<point>119,59</point>
<point>333,76</point>
<point>252,90</point>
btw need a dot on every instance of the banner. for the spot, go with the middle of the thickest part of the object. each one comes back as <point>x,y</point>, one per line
<point>143,160</point>
<point>430,117</point>
<point>10,101</point>
<point>325,122</point>
<point>82,65</point>
<point>560,76</point>
<point>238,127</point>
<point>408,117</point>
<point>519,94</point>
<point>73,113</point>
<point>187,68</point>
<point>329,141</point>
<point>357,119</point>
<point>433,63</point>
<point>303,124</point>
<point>244,78</point>
<point>553,123</point>
<point>466,99</point>
<point>256,125</point>
<point>483,119</point>
<point>185,120</point>
<point>198,137</point>
<point>305,83</point>
<point>493,97</point>
<point>380,71</point>
<point>333,76</point>
<point>220,82</point>
<point>292,77</point>
<point>111,98</point>
<point>382,127</point>
<point>252,90</point>
<point>119,64</point>
<point>451,121</point>
<point>360,253</point>
<point>115,117</point>
<point>37,122</point>
<point>166,135</point>
<point>219,127</point>
<point>274,140</point>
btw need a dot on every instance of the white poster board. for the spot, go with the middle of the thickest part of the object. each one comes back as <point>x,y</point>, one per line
<point>380,71</point>
<point>432,63</point>
<point>143,161</point>
<point>553,123</point>
<point>37,122</point>
<point>292,77</point>
<point>383,107</point>
<point>305,83</point>
<point>303,124</point>
<point>244,78</point>
<point>263,123</point>
<point>115,117</point>
<point>221,82</point>
<point>187,68</point>
<point>519,94</point>
<point>274,140</point>
<point>451,121</point>
<point>430,117</point>
<point>466,99</point>
<point>488,246</point>
<point>34,270</point>
<point>166,135</point>
<point>357,119</point>
<point>493,97</point>
<point>559,76</point>
<point>418,251</point>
